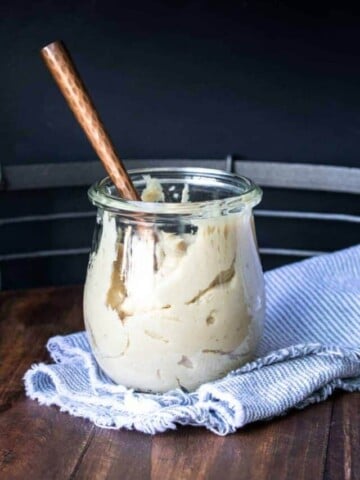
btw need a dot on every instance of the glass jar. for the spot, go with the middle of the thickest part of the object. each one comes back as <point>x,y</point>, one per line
<point>174,293</point>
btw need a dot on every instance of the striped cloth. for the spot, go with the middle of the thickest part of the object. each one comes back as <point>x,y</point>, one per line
<point>311,346</point>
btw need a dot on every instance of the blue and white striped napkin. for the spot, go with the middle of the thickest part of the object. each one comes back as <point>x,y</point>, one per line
<point>311,346</point>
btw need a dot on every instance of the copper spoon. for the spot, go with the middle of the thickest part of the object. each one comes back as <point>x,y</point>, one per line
<point>63,70</point>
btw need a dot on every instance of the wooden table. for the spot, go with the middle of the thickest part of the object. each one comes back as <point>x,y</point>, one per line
<point>38,442</point>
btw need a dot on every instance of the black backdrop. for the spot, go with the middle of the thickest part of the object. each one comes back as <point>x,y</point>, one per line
<point>270,80</point>
<point>266,80</point>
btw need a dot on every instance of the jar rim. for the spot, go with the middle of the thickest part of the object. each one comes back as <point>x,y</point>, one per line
<point>100,193</point>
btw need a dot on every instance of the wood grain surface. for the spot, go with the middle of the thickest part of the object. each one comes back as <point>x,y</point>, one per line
<point>38,442</point>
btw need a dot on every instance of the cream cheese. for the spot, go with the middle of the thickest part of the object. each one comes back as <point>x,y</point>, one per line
<point>174,309</point>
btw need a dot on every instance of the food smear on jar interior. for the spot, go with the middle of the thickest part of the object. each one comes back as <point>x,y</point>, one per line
<point>153,191</point>
<point>174,309</point>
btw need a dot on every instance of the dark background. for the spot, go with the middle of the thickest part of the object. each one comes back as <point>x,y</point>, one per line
<point>273,80</point>
<point>263,80</point>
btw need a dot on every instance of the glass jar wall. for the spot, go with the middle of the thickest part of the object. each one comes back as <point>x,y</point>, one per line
<point>174,294</point>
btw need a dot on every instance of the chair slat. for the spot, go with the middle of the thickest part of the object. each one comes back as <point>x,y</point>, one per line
<point>270,174</point>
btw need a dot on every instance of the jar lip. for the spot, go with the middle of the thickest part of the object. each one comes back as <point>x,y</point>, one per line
<point>100,195</point>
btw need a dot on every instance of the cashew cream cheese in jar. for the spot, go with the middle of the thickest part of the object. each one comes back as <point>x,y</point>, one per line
<point>169,307</point>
